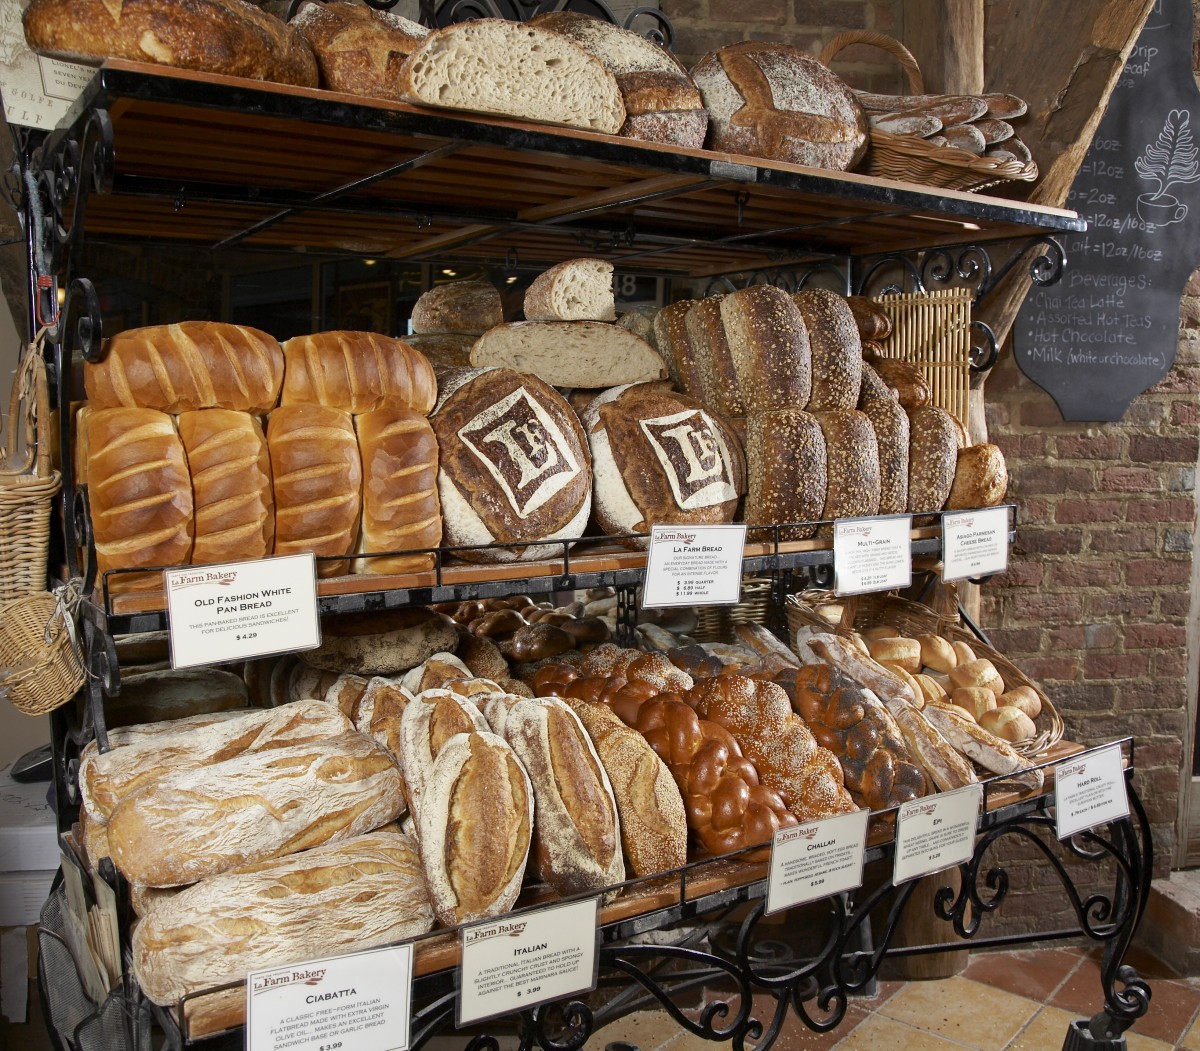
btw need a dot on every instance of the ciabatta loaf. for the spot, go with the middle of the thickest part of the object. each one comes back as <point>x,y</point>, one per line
<point>336,898</point>
<point>357,372</point>
<point>569,353</point>
<point>260,805</point>
<point>191,365</point>
<point>491,65</point>
<point>574,290</point>
<point>470,307</point>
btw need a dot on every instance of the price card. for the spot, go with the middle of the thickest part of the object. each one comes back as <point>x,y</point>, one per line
<point>936,832</point>
<point>974,543</point>
<point>528,959</point>
<point>358,1002</point>
<point>816,859</point>
<point>1089,790</point>
<point>242,609</point>
<point>872,554</point>
<point>694,566</point>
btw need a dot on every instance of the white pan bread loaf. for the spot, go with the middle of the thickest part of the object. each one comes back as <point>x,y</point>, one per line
<point>231,485</point>
<point>382,643</point>
<point>836,349</point>
<point>890,423</point>
<point>771,100</point>
<point>719,389</point>
<point>574,290</point>
<point>932,458</point>
<point>191,365</point>
<point>787,472</point>
<point>490,65</point>
<point>577,834</point>
<point>768,347</point>
<point>229,37</point>
<point>400,509</point>
<point>475,828</point>
<point>980,478</point>
<point>150,751</point>
<point>852,464</point>
<point>317,475</point>
<point>357,372</point>
<point>569,353</point>
<point>139,490</point>
<point>658,458</point>
<point>359,50</point>
<point>470,307</point>
<point>259,805</point>
<point>332,899</point>
<point>428,722</point>
<point>662,104</point>
<point>514,465</point>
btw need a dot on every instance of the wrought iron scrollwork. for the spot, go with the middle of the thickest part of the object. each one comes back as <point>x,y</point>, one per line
<point>789,279</point>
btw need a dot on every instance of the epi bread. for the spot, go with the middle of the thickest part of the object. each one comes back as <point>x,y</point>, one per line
<point>357,372</point>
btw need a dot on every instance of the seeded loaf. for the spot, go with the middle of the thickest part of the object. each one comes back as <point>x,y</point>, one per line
<point>852,464</point>
<point>836,349</point>
<point>880,405</point>
<point>786,468</point>
<point>460,306</point>
<point>671,337</point>
<point>768,347</point>
<point>980,478</point>
<point>569,353</point>
<point>933,459</point>
<point>359,50</point>
<point>510,69</point>
<point>574,290</point>
<point>710,349</point>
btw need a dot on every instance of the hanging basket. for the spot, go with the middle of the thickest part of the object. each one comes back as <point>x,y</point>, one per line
<point>40,668</point>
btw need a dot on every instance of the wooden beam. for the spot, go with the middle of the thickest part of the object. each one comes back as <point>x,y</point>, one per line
<point>946,38</point>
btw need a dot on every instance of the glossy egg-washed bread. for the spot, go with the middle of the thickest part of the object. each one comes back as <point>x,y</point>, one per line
<point>357,372</point>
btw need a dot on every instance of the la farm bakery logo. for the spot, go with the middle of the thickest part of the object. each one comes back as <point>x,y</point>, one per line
<point>194,578</point>
<point>296,976</point>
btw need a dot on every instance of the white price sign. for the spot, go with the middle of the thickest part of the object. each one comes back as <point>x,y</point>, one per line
<point>531,958</point>
<point>1089,791</point>
<point>872,554</point>
<point>694,566</point>
<point>936,832</point>
<point>242,610</point>
<point>817,859</point>
<point>974,543</point>
<point>359,1002</point>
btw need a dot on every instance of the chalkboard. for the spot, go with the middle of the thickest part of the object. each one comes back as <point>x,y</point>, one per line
<point>1108,330</point>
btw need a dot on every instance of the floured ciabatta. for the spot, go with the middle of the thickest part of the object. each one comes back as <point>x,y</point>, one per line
<point>514,465</point>
<point>659,457</point>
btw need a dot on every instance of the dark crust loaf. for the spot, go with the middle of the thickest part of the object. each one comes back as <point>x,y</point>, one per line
<point>769,347</point>
<point>933,458</point>
<point>891,426</point>
<point>786,458</point>
<point>852,459</point>
<point>229,37</point>
<point>382,643</point>
<point>772,100</point>
<point>714,360</point>
<point>874,323</point>
<point>670,333</point>
<point>836,349</point>
<point>460,306</point>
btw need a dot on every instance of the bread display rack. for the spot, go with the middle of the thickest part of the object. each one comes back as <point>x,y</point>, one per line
<point>167,156</point>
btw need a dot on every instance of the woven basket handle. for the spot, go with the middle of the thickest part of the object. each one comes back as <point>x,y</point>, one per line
<point>916,82</point>
<point>28,449</point>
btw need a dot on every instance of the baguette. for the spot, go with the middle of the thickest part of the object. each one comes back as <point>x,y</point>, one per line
<point>978,744</point>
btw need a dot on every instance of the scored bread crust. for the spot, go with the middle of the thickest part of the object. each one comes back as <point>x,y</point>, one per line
<point>519,71</point>
<point>357,372</point>
<point>428,722</point>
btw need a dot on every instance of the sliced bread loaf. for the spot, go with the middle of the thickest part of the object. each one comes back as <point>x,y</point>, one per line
<point>574,290</point>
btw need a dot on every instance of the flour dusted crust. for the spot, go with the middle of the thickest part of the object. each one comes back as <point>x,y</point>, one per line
<point>771,100</point>
<point>660,458</point>
<point>428,722</point>
<point>336,898</point>
<point>514,467</point>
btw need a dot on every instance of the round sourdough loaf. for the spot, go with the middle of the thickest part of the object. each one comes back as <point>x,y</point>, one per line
<point>461,306</point>
<point>836,349</point>
<point>980,478</point>
<point>659,458</point>
<point>382,643</point>
<point>772,100</point>
<point>515,467</point>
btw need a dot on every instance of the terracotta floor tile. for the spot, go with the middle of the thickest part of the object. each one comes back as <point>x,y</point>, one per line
<point>647,1030</point>
<point>1046,1030</point>
<point>962,1010</point>
<point>1173,1006</point>
<point>880,1033</point>
<point>1034,973</point>
<point>1191,1039</point>
<point>1082,993</point>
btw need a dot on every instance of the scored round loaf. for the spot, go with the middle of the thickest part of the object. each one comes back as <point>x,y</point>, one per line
<point>671,338</point>
<point>470,307</point>
<point>719,388</point>
<point>359,49</point>
<point>573,290</point>
<point>659,458</point>
<point>514,465</point>
<point>932,458</point>
<point>852,464</point>
<point>357,372</point>
<point>231,485</point>
<point>229,37</point>
<point>190,365</point>
<point>786,472</point>
<point>892,436</point>
<point>980,478</point>
<point>836,349</point>
<point>382,643</point>
<point>771,100</point>
<point>768,348</point>
<point>662,104</point>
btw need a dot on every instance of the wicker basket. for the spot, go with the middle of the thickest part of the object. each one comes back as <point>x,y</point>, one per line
<point>28,485</point>
<point>913,159</point>
<point>36,648</point>
<point>716,623</point>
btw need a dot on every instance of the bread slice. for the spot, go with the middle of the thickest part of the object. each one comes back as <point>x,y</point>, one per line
<point>574,290</point>
<point>570,353</point>
<point>491,65</point>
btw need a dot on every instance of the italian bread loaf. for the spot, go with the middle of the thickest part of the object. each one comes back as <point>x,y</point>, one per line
<point>588,354</point>
<point>359,50</point>
<point>980,478</point>
<point>491,65</point>
<point>514,465</point>
<point>231,485</point>
<point>476,827</point>
<point>786,464</point>
<point>340,897</point>
<point>470,307</point>
<point>428,722</point>
<point>836,349</point>
<point>317,475</point>
<point>852,464</point>
<point>229,37</point>
<point>400,508</point>
<point>259,805</point>
<point>190,365</point>
<point>573,290</point>
<point>932,458</point>
<point>139,490</point>
<point>357,372</point>
<point>768,348</point>
<point>379,712</point>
